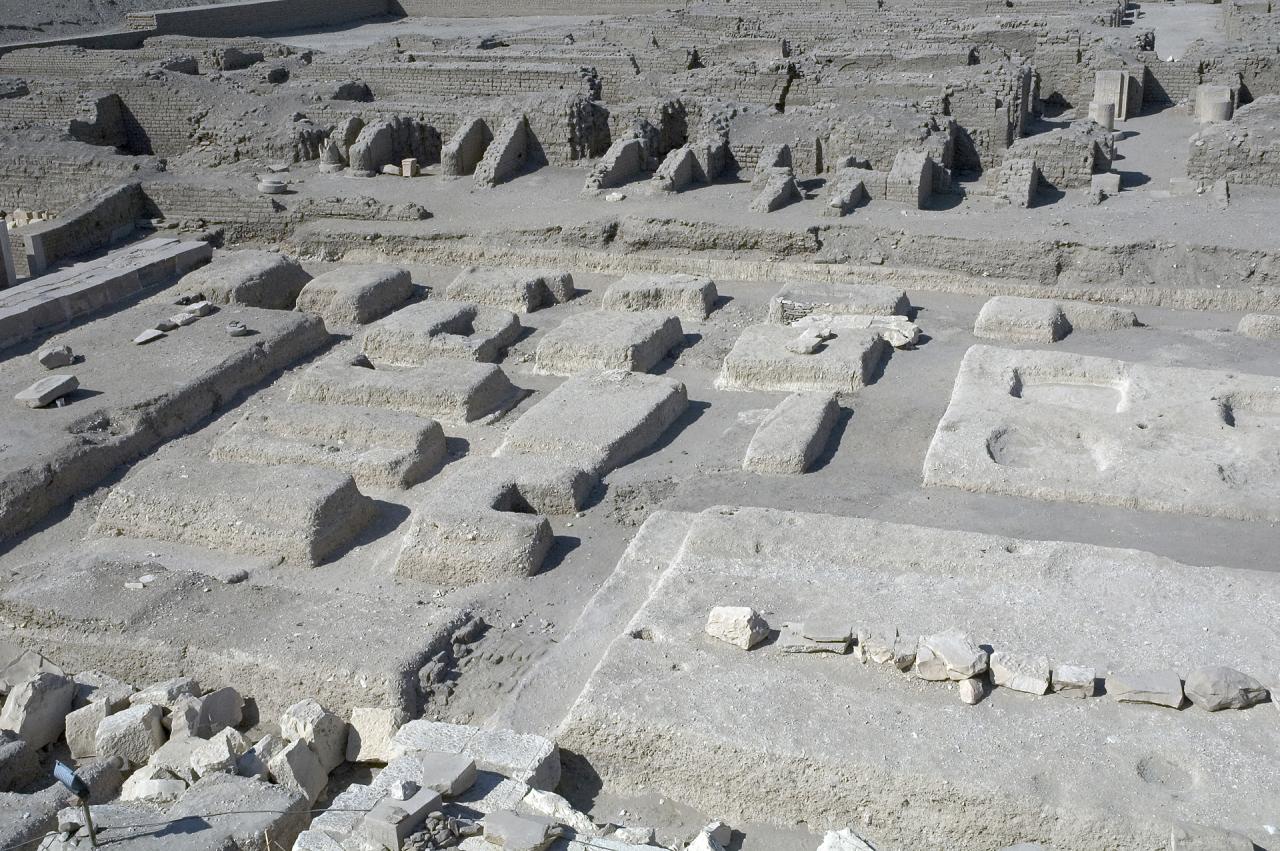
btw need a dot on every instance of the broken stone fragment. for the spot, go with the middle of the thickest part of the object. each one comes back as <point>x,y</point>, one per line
<point>201,307</point>
<point>844,840</point>
<point>1075,681</point>
<point>309,722</point>
<point>1028,674</point>
<point>54,357</point>
<point>154,784</point>
<point>184,318</point>
<point>1217,687</point>
<point>236,328</point>
<point>256,761</point>
<point>37,708</point>
<point>809,341</point>
<point>369,734</point>
<point>553,806</point>
<point>973,690</point>
<point>133,734</point>
<point>741,626</point>
<point>167,693</point>
<point>298,768</point>
<point>221,753</point>
<point>448,774</point>
<point>82,728</point>
<point>174,756</point>
<point>166,325</point>
<point>799,638</point>
<point>48,390</point>
<point>507,829</point>
<point>1161,688</point>
<point>148,336</point>
<point>949,655</point>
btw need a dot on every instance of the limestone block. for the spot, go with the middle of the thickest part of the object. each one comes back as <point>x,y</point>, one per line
<point>166,693</point>
<point>794,638</point>
<point>174,758</point>
<point>391,821</point>
<point>349,296</point>
<point>94,685</point>
<point>690,297</point>
<point>506,829</point>
<point>761,361</point>
<point>949,655</point>
<point>377,447</point>
<point>82,728</point>
<point>1020,673</point>
<point>794,301</point>
<point>532,761</point>
<point>55,357</point>
<point>843,840</point>
<point>204,716</point>
<point>1022,320</point>
<point>846,191</point>
<point>251,278</point>
<point>19,762</point>
<point>296,767</point>
<point>316,840</point>
<point>256,761</point>
<point>1074,681</point>
<point>741,626</point>
<point>448,774</point>
<point>18,664</point>
<point>441,328</point>
<point>37,708</point>
<point>1264,326</point>
<point>600,340</point>
<point>1162,688</point>
<point>1107,183</point>
<point>133,734</point>
<point>326,733</point>
<point>517,290</point>
<point>369,734</point>
<point>1217,687</point>
<point>151,784</point>
<point>550,805</point>
<point>47,390</point>
<point>448,390</point>
<point>300,514</point>
<point>793,434</point>
<point>220,753</point>
<point>973,690</point>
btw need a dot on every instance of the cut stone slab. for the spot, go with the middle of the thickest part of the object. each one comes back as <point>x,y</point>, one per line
<point>55,357</point>
<point>760,360</point>
<point>132,734</point>
<point>799,299</point>
<point>439,328</point>
<point>517,290</point>
<point>37,708</point>
<point>256,761</point>
<point>447,390</point>
<point>302,515</point>
<point>1020,673</point>
<point>1013,319</point>
<point>740,626</point>
<point>793,434</point>
<point>523,757</point>
<point>1059,426</point>
<point>391,821</point>
<point>512,831</point>
<point>369,734</point>
<point>597,421</point>
<point>448,774</point>
<point>350,296</point>
<point>1006,592</point>
<point>1162,688</point>
<point>220,753</point>
<point>251,278</point>
<point>297,768</point>
<point>82,728</point>
<point>167,693</point>
<point>377,447</point>
<point>1075,681</point>
<point>174,759</point>
<point>321,730</point>
<point>1217,687</point>
<point>48,390</point>
<point>690,297</point>
<point>605,339</point>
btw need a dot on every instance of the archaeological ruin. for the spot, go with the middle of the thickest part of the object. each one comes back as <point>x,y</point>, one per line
<point>700,425</point>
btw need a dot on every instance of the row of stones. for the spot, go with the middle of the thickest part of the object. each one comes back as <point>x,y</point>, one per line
<point>951,656</point>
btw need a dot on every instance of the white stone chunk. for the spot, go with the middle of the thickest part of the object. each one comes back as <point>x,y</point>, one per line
<point>1162,688</point>
<point>973,690</point>
<point>37,708</point>
<point>82,728</point>
<point>369,734</point>
<point>167,693</point>
<point>741,626</point>
<point>255,761</point>
<point>55,357</point>
<point>221,753</point>
<point>1217,687</point>
<point>133,734</point>
<point>949,655</point>
<point>309,722</point>
<point>1075,681</point>
<point>844,840</point>
<point>48,390</point>
<point>1029,674</point>
<point>298,768</point>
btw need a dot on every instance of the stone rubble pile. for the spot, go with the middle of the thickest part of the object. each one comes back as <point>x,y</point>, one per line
<point>952,656</point>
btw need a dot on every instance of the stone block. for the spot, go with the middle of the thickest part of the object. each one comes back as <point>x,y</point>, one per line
<point>47,390</point>
<point>517,290</point>
<point>133,734</point>
<point>1107,183</point>
<point>300,514</point>
<point>369,734</point>
<point>440,328</point>
<point>740,626</point>
<point>797,300</point>
<point>448,390</point>
<point>220,753</point>
<point>793,434</point>
<point>761,361</point>
<point>600,340</point>
<point>37,708</point>
<point>251,278</point>
<point>391,821</point>
<point>173,759</point>
<point>167,693</point>
<point>509,830</point>
<point>1162,688</point>
<point>525,758</point>
<point>1217,687</point>
<point>949,655</point>
<point>96,686</point>
<point>256,761</point>
<point>82,728</point>
<point>448,774</point>
<point>350,296</point>
<point>1029,674</point>
<point>54,357</point>
<point>1075,681</point>
<point>690,297</point>
<point>19,764</point>
<point>296,767</point>
<point>326,734</point>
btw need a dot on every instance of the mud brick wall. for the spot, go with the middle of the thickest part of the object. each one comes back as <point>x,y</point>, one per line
<point>159,118</point>
<point>1169,82</point>
<point>1228,151</point>
<point>430,80</point>
<point>106,218</point>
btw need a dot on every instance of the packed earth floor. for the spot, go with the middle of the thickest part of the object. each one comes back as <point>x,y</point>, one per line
<point>712,426</point>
